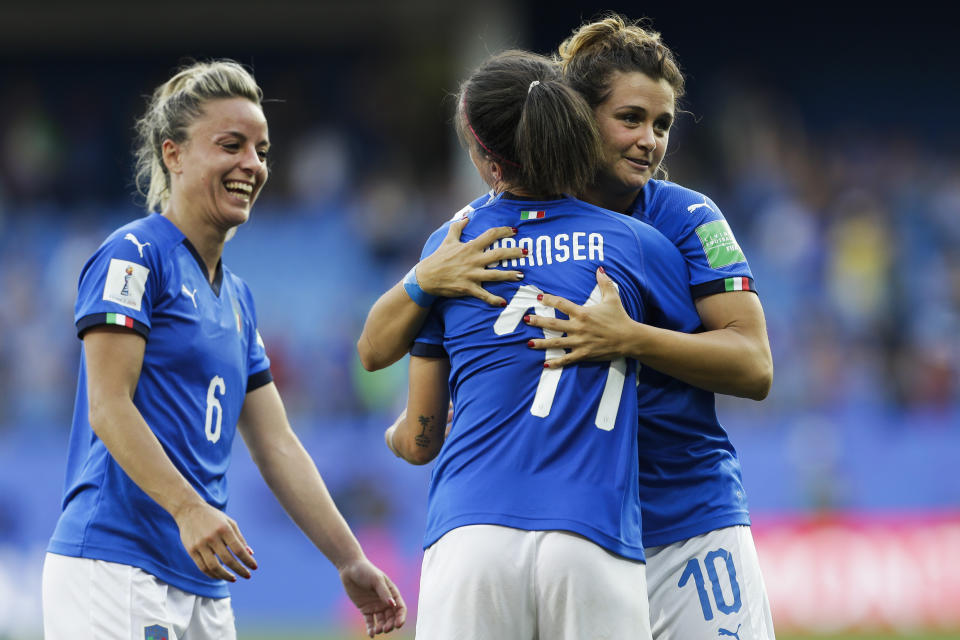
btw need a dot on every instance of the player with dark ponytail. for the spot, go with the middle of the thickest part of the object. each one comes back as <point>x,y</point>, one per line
<point>533,523</point>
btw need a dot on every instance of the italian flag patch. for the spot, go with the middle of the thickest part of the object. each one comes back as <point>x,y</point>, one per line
<point>736,284</point>
<point>120,319</point>
<point>532,215</point>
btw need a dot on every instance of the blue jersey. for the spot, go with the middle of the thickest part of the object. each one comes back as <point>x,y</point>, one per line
<point>690,479</point>
<point>203,354</point>
<point>544,449</point>
<point>473,206</point>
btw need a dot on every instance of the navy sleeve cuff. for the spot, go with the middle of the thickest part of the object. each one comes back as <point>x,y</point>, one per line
<point>258,379</point>
<point>111,319</point>
<point>428,350</point>
<point>723,286</point>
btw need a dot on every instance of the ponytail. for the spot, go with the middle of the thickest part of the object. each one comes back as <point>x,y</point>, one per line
<point>517,110</point>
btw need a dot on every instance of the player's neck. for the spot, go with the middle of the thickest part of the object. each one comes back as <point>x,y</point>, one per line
<point>207,241</point>
<point>516,190</point>
<point>619,201</point>
<point>513,195</point>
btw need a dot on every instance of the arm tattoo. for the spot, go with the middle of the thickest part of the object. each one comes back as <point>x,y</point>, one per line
<point>428,424</point>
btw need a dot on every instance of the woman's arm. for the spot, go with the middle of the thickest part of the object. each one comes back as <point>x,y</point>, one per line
<point>731,357</point>
<point>293,477</point>
<point>454,269</point>
<point>418,434</point>
<point>114,357</point>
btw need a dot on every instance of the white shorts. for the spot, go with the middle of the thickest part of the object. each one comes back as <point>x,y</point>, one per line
<point>86,599</point>
<point>708,586</point>
<point>484,581</point>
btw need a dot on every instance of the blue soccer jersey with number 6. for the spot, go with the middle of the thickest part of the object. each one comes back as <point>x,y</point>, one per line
<point>548,449</point>
<point>203,354</point>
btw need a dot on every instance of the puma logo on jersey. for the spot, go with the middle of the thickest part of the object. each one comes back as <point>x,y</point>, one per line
<point>732,634</point>
<point>132,238</point>
<point>694,207</point>
<point>190,294</point>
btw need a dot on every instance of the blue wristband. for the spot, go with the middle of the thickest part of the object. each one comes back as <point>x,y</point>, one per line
<point>412,287</point>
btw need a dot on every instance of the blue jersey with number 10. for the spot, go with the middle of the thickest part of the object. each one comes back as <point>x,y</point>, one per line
<point>547,449</point>
<point>690,480</point>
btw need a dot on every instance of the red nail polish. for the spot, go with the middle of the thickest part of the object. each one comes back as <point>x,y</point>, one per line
<point>601,270</point>
<point>503,304</point>
<point>529,343</point>
<point>526,318</point>
<point>546,365</point>
<point>539,296</point>
<point>514,229</point>
<point>525,251</point>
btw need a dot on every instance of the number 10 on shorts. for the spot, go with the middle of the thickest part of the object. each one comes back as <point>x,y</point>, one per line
<point>725,559</point>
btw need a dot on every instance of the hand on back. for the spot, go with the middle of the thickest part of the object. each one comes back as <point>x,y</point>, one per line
<point>592,332</point>
<point>459,268</point>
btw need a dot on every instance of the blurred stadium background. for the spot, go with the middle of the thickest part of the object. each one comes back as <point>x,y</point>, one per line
<point>828,136</point>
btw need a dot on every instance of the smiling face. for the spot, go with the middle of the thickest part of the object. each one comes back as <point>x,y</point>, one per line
<point>634,123</point>
<point>218,171</point>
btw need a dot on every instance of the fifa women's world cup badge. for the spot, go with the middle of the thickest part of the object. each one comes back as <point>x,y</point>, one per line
<point>126,281</point>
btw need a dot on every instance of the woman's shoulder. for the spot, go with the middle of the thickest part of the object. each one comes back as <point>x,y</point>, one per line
<point>663,196</point>
<point>153,231</point>
<point>675,210</point>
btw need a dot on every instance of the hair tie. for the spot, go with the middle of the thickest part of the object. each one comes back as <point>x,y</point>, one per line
<point>532,85</point>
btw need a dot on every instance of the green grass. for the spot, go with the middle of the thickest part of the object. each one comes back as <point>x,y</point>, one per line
<point>407,634</point>
<point>320,634</point>
<point>955,635</point>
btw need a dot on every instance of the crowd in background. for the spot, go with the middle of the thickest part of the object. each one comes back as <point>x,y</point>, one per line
<point>854,240</point>
<point>851,226</point>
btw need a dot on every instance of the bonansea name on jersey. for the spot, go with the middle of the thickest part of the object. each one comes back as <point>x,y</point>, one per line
<point>545,250</point>
<point>535,448</point>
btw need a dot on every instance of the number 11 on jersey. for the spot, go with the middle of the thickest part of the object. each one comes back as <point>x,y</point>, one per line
<point>508,321</point>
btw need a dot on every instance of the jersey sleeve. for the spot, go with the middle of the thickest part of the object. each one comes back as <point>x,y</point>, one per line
<point>716,261</point>
<point>429,342</point>
<point>258,364</point>
<point>473,206</point>
<point>119,286</point>
<point>698,228</point>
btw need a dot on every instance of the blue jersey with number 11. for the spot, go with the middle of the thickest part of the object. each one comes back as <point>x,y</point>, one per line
<point>547,449</point>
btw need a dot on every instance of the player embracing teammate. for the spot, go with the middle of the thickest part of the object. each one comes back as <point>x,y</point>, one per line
<point>702,575</point>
